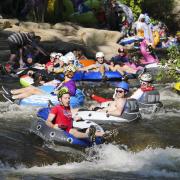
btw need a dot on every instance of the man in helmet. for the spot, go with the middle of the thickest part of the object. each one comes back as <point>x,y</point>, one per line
<point>145,81</point>
<point>113,107</point>
<point>16,43</point>
<point>61,117</point>
<point>99,66</point>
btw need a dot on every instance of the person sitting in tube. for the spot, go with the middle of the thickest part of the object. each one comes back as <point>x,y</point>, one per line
<point>100,65</point>
<point>145,81</point>
<point>12,95</point>
<point>60,116</point>
<point>114,107</point>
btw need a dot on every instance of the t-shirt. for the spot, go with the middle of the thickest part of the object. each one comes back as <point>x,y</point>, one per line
<point>63,117</point>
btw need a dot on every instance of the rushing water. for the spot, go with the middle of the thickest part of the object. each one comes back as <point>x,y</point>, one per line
<point>147,149</point>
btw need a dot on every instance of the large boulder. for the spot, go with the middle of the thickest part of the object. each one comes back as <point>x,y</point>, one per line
<point>68,36</point>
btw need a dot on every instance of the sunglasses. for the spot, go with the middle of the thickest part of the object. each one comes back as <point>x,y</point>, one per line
<point>119,91</point>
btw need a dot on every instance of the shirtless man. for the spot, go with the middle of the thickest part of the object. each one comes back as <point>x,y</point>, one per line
<point>116,107</point>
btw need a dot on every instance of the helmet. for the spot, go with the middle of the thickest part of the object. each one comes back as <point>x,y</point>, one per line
<point>70,68</point>
<point>146,77</point>
<point>64,59</point>
<point>124,85</point>
<point>59,55</point>
<point>99,54</point>
<point>53,54</point>
<point>63,90</point>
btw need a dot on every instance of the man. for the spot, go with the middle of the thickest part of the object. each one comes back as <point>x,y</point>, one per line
<point>145,81</point>
<point>99,66</point>
<point>116,106</point>
<point>16,43</point>
<point>63,117</point>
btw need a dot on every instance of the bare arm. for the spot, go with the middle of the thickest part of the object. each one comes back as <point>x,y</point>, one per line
<point>49,120</point>
<point>117,111</point>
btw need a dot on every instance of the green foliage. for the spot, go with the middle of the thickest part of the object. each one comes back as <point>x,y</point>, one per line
<point>173,65</point>
<point>135,5</point>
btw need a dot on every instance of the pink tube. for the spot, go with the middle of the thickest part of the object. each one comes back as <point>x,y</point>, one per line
<point>148,58</point>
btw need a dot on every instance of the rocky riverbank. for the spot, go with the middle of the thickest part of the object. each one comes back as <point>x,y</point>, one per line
<point>67,36</point>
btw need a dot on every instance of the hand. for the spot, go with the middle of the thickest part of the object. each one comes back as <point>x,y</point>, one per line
<point>56,126</point>
<point>77,118</point>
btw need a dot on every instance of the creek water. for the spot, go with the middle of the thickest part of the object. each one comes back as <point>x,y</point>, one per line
<point>147,149</point>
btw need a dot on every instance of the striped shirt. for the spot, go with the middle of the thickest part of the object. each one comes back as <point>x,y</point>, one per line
<point>20,38</point>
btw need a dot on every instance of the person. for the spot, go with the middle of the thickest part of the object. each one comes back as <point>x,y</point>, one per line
<point>145,88</point>
<point>100,65</point>
<point>60,116</point>
<point>116,106</point>
<point>16,43</point>
<point>121,64</point>
<point>12,95</point>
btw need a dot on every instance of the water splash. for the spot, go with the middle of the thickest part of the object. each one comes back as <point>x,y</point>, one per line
<point>149,162</point>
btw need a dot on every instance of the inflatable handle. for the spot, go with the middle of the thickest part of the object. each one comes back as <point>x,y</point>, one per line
<point>89,114</point>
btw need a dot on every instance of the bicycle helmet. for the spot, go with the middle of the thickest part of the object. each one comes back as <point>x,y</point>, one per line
<point>70,68</point>
<point>53,55</point>
<point>99,55</point>
<point>124,85</point>
<point>146,77</point>
<point>63,90</point>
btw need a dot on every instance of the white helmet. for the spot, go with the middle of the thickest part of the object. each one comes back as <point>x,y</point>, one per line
<point>53,54</point>
<point>59,54</point>
<point>64,59</point>
<point>146,77</point>
<point>99,55</point>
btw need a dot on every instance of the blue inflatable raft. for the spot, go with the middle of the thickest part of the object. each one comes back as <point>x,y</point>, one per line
<point>129,40</point>
<point>43,100</point>
<point>96,76</point>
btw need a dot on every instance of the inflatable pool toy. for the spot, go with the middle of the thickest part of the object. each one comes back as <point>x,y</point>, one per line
<point>87,62</point>
<point>130,113</point>
<point>44,100</point>
<point>130,40</point>
<point>96,76</point>
<point>148,57</point>
<point>177,86</point>
<point>26,81</point>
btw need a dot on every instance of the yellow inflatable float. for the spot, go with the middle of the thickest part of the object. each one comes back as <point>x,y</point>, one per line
<point>177,86</point>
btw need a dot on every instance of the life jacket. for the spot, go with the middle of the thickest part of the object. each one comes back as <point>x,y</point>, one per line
<point>131,110</point>
<point>150,96</point>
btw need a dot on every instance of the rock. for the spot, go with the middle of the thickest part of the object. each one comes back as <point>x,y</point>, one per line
<point>68,36</point>
<point>44,26</point>
<point>11,21</point>
<point>29,25</point>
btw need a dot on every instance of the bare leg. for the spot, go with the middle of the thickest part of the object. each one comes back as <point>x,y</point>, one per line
<point>23,90</point>
<point>81,135</point>
<point>102,69</point>
<point>27,93</point>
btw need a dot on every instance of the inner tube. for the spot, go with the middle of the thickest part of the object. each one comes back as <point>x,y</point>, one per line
<point>102,116</point>
<point>26,81</point>
<point>60,136</point>
<point>177,86</point>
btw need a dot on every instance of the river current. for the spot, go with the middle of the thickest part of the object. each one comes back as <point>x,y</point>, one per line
<point>147,149</point>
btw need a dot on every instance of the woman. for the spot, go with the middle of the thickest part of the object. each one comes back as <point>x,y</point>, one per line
<point>12,95</point>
